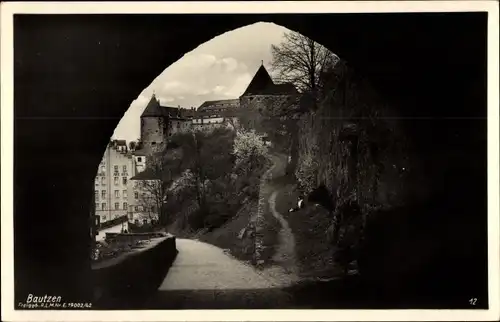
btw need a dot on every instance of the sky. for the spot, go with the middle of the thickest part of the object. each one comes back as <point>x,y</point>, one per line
<point>220,68</point>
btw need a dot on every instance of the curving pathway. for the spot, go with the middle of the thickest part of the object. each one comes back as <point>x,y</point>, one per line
<point>284,269</point>
<point>285,252</point>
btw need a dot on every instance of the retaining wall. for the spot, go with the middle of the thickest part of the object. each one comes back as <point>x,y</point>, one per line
<point>132,277</point>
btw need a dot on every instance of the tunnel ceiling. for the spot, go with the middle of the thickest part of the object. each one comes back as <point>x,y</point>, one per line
<point>91,67</point>
<point>407,57</point>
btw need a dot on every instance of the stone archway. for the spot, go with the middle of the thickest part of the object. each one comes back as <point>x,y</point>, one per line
<point>75,76</point>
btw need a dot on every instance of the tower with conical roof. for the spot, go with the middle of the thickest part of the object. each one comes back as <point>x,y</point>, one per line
<point>262,91</point>
<point>154,126</point>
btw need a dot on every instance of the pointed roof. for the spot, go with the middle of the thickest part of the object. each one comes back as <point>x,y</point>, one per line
<point>262,84</point>
<point>154,109</point>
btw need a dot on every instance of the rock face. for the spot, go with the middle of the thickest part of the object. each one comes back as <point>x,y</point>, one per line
<point>347,145</point>
<point>350,145</point>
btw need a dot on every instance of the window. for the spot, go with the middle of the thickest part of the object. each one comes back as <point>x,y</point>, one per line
<point>117,181</point>
<point>103,218</point>
<point>136,208</point>
<point>141,208</point>
<point>103,206</point>
<point>136,195</point>
<point>125,206</point>
<point>97,195</point>
<point>139,159</point>
<point>103,194</point>
<point>117,206</point>
<point>124,180</point>
<point>103,181</point>
<point>96,182</point>
<point>125,168</point>
<point>103,168</point>
<point>116,168</point>
<point>125,194</point>
<point>117,193</point>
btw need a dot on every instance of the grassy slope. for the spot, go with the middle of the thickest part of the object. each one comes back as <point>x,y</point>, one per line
<point>226,237</point>
<point>309,225</point>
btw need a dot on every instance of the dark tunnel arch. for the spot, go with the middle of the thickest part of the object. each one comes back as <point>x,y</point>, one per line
<point>62,123</point>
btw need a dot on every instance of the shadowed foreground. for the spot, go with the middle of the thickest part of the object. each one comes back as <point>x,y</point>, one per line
<point>204,277</point>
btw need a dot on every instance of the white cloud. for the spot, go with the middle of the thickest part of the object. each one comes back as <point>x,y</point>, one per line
<point>202,92</point>
<point>230,63</point>
<point>129,126</point>
<point>218,89</point>
<point>239,85</point>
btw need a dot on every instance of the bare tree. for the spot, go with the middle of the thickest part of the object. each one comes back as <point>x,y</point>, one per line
<point>151,197</point>
<point>301,61</point>
<point>152,183</point>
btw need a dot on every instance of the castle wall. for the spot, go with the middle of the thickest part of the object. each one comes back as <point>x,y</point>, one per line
<point>179,126</point>
<point>263,102</point>
<point>153,132</point>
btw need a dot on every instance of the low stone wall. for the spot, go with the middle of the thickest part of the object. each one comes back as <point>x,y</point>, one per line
<point>113,222</point>
<point>132,277</point>
<point>131,237</point>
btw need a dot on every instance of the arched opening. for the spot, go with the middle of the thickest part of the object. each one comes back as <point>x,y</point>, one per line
<point>416,83</point>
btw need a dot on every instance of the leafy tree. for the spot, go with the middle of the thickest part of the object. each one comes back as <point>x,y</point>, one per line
<point>132,145</point>
<point>250,150</point>
<point>197,159</point>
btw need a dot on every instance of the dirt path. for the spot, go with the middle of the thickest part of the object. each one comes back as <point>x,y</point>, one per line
<point>201,266</point>
<point>284,267</point>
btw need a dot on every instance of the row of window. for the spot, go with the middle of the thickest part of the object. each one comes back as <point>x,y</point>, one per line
<point>125,207</point>
<point>115,168</point>
<point>117,194</point>
<point>117,206</point>
<point>116,181</point>
<point>144,208</point>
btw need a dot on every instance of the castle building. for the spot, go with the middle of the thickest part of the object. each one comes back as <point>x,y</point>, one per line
<point>219,106</point>
<point>111,182</point>
<point>262,91</point>
<point>116,195</point>
<point>214,114</point>
<point>160,122</point>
